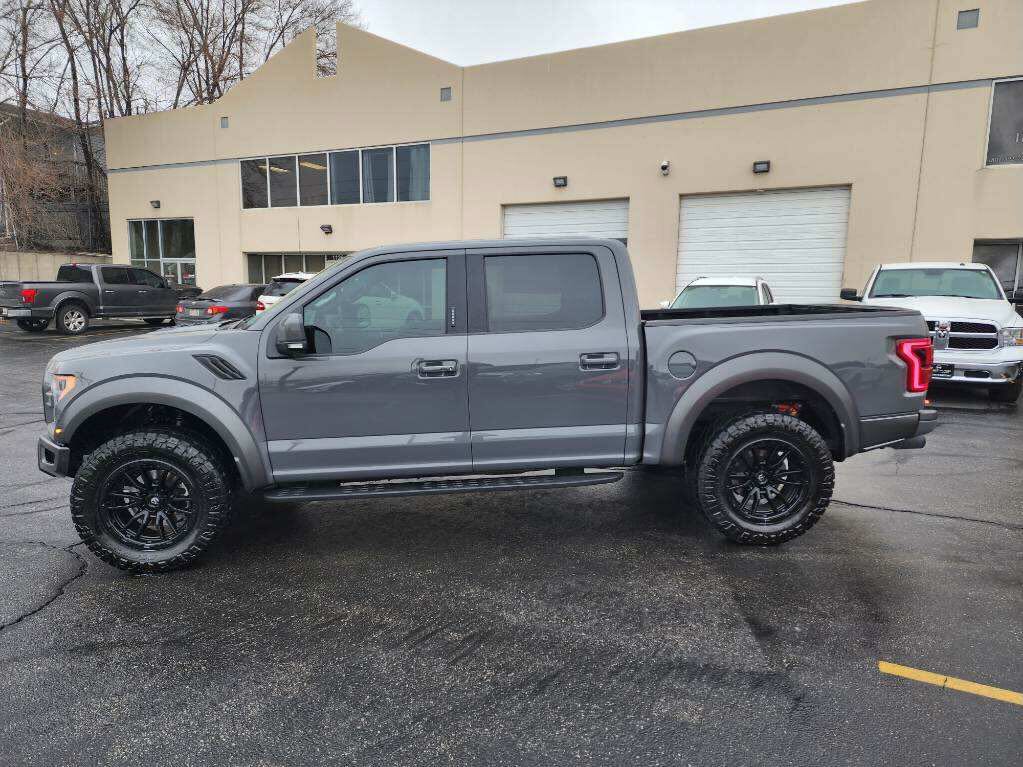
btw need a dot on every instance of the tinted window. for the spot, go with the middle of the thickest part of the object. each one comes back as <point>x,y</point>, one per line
<point>542,292</point>
<point>403,299</point>
<point>283,188</point>
<point>378,175</point>
<point>254,193</point>
<point>904,283</point>
<point>229,293</point>
<point>312,179</point>
<point>1005,142</point>
<point>72,273</point>
<point>281,287</point>
<point>344,178</point>
<point>708,296</point>
<point>413,168</point>
<point>115,275</point>
<point>143,277</point>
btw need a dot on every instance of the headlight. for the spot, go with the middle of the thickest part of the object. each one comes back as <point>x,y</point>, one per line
<point>55,388</point>
<point>1012,336</point>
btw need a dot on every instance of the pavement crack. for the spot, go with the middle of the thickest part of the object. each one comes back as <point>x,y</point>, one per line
<point>60,591</point>
<point>956,517</point>
<point>34,511</point>
<point>19,504</point>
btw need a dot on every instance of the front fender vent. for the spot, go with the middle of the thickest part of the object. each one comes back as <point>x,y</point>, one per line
<point>220,367</point>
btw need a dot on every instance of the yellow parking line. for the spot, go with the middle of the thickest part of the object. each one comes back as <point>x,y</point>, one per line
<point>950,682</point>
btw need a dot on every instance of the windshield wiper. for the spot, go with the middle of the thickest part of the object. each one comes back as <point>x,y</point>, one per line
<point>893,295</point>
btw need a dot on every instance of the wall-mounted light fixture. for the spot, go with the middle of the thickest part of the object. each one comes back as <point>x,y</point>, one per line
<point>762,166</point>
<point>155,203</point>
<point>326,228</point>
<point>560,181</point>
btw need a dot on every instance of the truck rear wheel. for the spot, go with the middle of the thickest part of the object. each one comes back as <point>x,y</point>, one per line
<point>765,478</point>
<point>151,500</point>
<point>33,326</point>
<point>72,318</point>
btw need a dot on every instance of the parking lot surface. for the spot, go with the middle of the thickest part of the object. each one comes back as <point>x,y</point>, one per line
<point>601,625</point>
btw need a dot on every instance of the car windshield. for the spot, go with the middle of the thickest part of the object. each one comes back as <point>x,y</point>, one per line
<point>281,287</point>
<point>710,296</point>
<point>227,293</point>
<point>910,283</point>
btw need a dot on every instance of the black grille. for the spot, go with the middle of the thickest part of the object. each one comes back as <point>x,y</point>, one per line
<point>972,343</point>
<point>930,324</point>
<point>220,367</point>
<point>973,327</point>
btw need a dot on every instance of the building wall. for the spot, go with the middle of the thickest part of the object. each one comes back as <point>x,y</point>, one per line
<point>30,265</point>
<point>913,155</point>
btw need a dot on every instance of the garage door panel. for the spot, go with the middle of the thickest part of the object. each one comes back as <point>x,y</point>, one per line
<point>795,239</point>
<point>603,218</point>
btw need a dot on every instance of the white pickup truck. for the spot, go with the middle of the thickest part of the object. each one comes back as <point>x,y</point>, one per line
<point>977,334</point>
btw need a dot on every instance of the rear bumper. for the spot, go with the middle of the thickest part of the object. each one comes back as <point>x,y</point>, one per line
<point>905,431</point>
<point>25,313</point>
<point>53,459</point>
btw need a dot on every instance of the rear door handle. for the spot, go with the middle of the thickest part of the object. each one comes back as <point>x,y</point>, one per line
<point>599,361</point>
<point>437,368</point>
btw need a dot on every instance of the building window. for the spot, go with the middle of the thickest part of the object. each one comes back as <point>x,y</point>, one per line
<point>263,267</point>
<point>1006,261</point>
<point>344,178</point>
<point>968,19</point>
<point>1005,136</point>
<point>380,174</point>
<point>312,179</point>
<point>413,172</point>
<point>445,93</point>
<point>165,246</point>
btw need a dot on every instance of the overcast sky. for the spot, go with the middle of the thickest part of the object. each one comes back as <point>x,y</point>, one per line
<point>475,31</point>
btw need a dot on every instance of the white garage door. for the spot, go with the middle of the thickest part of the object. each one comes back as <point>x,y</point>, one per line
<point>604,218</point>
<point>794,239</point>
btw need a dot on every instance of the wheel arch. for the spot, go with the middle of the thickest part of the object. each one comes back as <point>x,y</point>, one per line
<point>76,297</point>
<point>750,369</point>
<point>210,410</point>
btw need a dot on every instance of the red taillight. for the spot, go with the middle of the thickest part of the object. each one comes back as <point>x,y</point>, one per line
<point>211,310</point>
<point>179,309</point>
<point>260,306</point>
<point>918,354</point>
<point>28,295</point>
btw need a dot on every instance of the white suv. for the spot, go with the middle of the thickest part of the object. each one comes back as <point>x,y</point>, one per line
<point>710,292</point>
<point>977,334</point>
<point>279,287</point>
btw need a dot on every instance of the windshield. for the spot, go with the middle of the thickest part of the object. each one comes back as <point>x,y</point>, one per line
<point>279,287</point>
<point>910,283</point>
<point>710,296</point>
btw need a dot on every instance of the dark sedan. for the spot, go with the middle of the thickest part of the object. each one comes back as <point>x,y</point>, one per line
<point>226,302</point>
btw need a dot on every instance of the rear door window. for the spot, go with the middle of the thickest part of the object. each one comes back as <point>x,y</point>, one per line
<point>146,277</point>
<point>542,292</point>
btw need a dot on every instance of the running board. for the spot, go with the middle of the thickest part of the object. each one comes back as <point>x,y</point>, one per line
<point>328,491</point>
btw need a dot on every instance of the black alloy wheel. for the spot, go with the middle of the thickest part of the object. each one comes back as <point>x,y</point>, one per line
<point>766,480</point>
<point>148,504</point>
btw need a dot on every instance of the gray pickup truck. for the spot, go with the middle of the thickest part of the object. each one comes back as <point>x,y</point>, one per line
<point>522,365</point>
<point>82,292</point>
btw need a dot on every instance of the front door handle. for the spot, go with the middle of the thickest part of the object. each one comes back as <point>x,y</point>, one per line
<point>599,361</point>
<point>437,368</point>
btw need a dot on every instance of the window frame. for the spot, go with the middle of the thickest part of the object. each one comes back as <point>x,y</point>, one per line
<point>479,315</point>
<point>454,288</point>
<point>990,114</point>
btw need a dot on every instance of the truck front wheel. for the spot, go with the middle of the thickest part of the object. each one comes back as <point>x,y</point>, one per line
<point>151,500</point>
<point>765,478</point>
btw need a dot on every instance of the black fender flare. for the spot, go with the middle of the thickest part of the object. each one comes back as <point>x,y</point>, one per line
<point>758,366</point>
<point>73,295</point>
<point>252,462</point>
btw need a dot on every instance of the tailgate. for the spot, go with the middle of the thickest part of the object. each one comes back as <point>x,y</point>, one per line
<point>10,294</point>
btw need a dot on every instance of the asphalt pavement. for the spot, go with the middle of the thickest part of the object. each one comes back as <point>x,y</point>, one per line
<point>601,625</point>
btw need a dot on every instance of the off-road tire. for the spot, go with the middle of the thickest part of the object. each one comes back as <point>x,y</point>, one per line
<point>191,456</point>
<point>1006,392</point>
<point>72,318</point>
<point>723,442</point>
<point>155,320</point>
<point>33,326</point>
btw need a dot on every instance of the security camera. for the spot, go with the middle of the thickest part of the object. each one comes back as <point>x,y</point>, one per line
<point>665,167</point>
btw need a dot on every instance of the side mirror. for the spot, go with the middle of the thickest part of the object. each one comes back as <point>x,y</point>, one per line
<point>849,294</point>
<point>664,304</point>
<point>291,339</point>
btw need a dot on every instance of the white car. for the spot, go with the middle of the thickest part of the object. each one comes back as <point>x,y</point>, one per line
<point>710,292</point>
<point>279,287</point>
<point>977,334</point>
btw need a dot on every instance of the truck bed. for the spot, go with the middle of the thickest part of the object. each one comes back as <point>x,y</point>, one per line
<point>767,312</point>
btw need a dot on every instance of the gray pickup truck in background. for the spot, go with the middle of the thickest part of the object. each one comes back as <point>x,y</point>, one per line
<point>83,292</point>
<point>525,365</point>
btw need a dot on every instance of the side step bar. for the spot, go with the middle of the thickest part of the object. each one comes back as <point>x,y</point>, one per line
<point>327,491</point>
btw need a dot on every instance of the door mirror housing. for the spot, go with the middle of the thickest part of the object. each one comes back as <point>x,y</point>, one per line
<point>849,294</point>
<point>291,337</point>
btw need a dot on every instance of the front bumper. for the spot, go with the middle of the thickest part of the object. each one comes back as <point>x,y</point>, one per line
<point>53,459</point>
<point>1000,366</point>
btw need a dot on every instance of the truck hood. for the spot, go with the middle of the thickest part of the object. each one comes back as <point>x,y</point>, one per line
<point>954,307</point>
<point>171,339</point>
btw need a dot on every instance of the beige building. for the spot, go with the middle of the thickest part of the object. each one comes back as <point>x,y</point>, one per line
<point>893,130</point>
